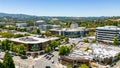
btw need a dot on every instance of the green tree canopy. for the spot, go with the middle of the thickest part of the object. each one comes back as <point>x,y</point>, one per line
<point>47,49</point>
<point>115,40</point>
<point>54,44</point>
<point>86,40</point>
<point>5,45</point>
<point>21,49</point>
<point>94,41</point>
<point>48,33</point>
<point>64,50</point>
<point>83,66</point>
<point>38,31</point>
<point>1,65</point>
<point>66,39</point>
<point>8,61</point>
<point>11,46</point>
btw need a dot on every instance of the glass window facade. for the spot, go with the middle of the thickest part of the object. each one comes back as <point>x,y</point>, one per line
<point>34,47</point>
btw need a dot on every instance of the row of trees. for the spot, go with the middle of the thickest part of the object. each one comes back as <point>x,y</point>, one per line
<point>7,45</point>
<point>86,40</point>
<point>10,35</point>
<point>7,62</point>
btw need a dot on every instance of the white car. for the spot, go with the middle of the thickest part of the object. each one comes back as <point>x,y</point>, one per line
<point>52,61</point>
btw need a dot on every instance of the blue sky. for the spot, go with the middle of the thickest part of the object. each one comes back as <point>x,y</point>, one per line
<point>62,7</point>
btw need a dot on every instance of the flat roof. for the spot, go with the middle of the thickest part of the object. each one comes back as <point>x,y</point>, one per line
<point>98,51</point>
<point>70,29</point>
<point>32,39</point>
<point>108,28</point>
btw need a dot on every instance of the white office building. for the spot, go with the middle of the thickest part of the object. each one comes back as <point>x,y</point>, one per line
<point>21,24</point>
<point>107,33</point>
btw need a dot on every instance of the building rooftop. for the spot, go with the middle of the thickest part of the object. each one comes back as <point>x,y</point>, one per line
<point>40,21</point>
<point>96,51</point>
<point>108,28</point>
<point>32,39</point>
<point>70,29</point>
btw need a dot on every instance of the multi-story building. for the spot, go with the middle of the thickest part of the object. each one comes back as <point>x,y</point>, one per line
<point>107,33</point>
<point>21,24</point>
<point>73,32</point>
<point>48,26</point>
<point>33,44</point>
<point>39,22</point>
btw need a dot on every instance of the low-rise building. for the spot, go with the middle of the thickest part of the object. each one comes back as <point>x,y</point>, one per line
<point>48,26</point>
<point>73,32</point>
<point>33,44</point>
<point>21,24</point>
<point>96,53</point>
<point>70,32</point>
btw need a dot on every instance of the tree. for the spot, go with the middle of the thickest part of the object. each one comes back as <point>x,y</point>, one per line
<point>1,65</point>
<point>21,49</point>
<point>64,50</point>
<point>86,40</point>
<point>66,40</point>
<point>115,41</point>
<point>5,45</point>
<point>33,32</point>
<point>58,43</point>
<point>47,49</point>
<point>48,33</point>
<point>11,46</point>
<point>54,44</point>
<point>83,66</point>
<point>18,35</point>
<point>15,49</point>
<point>94,41</point>
<point>38,31</point>
<point>68,66</point>
<point>8,61</point>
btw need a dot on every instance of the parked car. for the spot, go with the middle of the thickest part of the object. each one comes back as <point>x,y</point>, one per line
<point>24,57</point>
<point>52,61</point>
<point>49,58</point>
<point>45,55</point>
<point>56,49</point>
<point>52,55</point>
<point>47,67</point>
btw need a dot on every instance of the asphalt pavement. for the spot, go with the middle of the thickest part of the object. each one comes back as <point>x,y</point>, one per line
<point>43,62</point>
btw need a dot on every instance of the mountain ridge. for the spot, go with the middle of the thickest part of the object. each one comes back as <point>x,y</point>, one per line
<point>16,15</point>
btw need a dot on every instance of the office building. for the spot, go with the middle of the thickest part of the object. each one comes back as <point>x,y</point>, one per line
<point>21,24</point>
<point>33,44</point>
<point>107,33</point>
<point>48,26</point>
<point>73,32</point>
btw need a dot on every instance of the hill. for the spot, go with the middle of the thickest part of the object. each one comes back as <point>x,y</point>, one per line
<point>15,15</point>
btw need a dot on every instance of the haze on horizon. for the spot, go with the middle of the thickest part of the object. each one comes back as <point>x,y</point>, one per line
<point>79,8</point>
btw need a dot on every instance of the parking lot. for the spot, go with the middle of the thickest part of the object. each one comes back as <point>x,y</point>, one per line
<point>45,61</point>
<point>117,65</point>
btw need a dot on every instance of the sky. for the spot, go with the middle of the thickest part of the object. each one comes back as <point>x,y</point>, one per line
<point>79,8</point>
